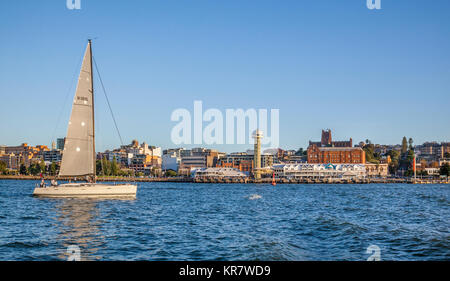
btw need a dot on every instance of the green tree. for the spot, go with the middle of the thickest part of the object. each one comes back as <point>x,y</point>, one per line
<point>114,167</point>
<point>394,164</point>
<point>98,167</point>
<point>404,145</point>
<point>35,169</point>
<point>445,170</point>
<point>52,169</point>
<point>422,173</point>
<point>105,166</point>
<point>410,156</point>
<point>170,173</point>
<point>409,173</point>
<point>23,169</point>
<point>394,154</point>
<point>42,167</point>
<point>371,157</point>
<point>3,168</point>
<point>447,155</point>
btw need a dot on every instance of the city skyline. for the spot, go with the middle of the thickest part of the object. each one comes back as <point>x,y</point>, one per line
<point>378,75</point>
<point>59,142</point>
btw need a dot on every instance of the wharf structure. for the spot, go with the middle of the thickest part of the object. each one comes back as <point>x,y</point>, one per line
<point>320,171</point>
<point>218,173</point>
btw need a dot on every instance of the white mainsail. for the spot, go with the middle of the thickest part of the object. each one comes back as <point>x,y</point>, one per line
<point>79,149</point>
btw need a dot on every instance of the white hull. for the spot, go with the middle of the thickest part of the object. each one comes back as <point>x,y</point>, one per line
<point>86,190</point>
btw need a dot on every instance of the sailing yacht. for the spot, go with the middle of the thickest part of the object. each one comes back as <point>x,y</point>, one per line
<point>78,159</point>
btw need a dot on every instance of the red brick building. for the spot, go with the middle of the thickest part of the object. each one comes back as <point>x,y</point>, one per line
<point>337,152</point>
<point>243,165</point>
<point>327,140</point>
<point>336,155</point>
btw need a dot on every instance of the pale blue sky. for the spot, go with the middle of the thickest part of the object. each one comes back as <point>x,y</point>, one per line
<point>376,74</point>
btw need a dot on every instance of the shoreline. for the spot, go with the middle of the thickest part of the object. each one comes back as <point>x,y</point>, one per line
<point>242,181</point>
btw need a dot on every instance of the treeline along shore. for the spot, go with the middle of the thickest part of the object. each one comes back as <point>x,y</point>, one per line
<point>240,180</point>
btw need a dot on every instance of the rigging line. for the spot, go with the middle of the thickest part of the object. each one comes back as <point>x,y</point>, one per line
<point>67,95</point>
<point>97,126</point>
<point>107,100</point>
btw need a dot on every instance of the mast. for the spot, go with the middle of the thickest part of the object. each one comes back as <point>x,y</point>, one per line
<point>93,115</point>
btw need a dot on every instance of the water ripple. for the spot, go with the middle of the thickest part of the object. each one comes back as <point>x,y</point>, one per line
<point>170,221</point>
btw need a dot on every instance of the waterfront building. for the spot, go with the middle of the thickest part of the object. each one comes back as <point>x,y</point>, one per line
<point>154,151</point>
<point>174,151</point>
<point>266,160</point>
<point>135,148</point>
<point>118,155</point>
<point>327,141</point>
<point>336,155</point>
<point>218,173</point>
<point>144,163</point>
<point>377,170</point>
<point>198,158</point>
<point>244,161</point>
<point>11,160</point>
<point>319,171</point>
<point>245,166</point>
<point>13,156</point>
<point>51,155</point>
<point>432,171</point>
<point>193,162</point>
<point>60,143</point>
<point>295,159</point>
<point>170,161</point>
<point>139,157</point>
<point>337,152</point>
<point>20,149</point>
<point>433,151</point>
<point>186,152</point>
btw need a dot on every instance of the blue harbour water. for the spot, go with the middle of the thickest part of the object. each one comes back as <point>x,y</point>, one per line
<point>186,221</point>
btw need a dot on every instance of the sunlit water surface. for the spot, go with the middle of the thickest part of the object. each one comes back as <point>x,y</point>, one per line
<point>184,221</point>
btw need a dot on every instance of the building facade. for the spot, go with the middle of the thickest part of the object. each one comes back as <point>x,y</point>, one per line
<point>337,152</point>
<point>327,140</point>
<point>377,170</point>
<point>218,173</point>
<point>336,155</point>
<point>319,171</point>
<point>170,161</point>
